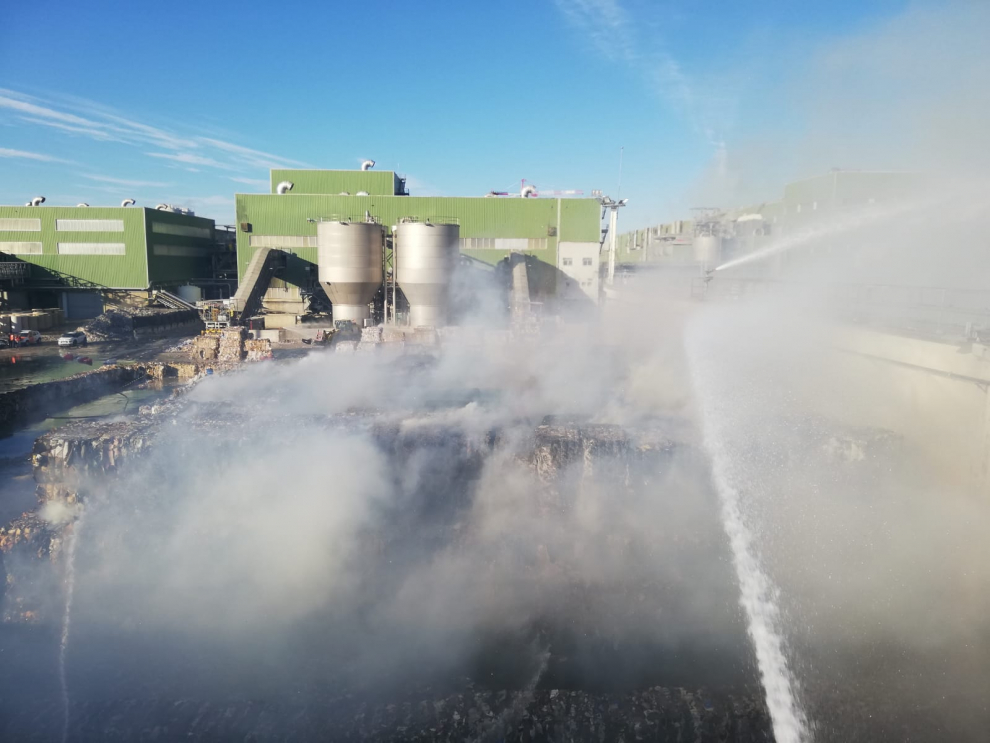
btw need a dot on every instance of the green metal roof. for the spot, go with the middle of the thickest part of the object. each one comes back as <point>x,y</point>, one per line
<point>333,182</point>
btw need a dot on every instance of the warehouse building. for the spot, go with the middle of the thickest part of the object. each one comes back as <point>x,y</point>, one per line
<point>80,257</point>
<point>560,237</point>
<point>830,196</point>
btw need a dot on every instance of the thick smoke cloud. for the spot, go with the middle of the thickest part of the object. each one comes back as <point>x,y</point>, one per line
<point>909,92</point>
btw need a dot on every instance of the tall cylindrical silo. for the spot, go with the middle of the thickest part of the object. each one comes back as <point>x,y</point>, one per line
<point>350,266</point>
<point>426,257</point>
<point>708,250</point>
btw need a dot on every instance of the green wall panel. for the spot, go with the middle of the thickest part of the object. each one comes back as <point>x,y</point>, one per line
<point>578,220</point>
<point>332,182</point>
<point>128,271</point>
<point>135,269</point>
<point>164,269</point>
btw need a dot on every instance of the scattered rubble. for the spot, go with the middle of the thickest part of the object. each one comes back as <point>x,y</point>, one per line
<point>183,346</point>
<point>654,714</point>
<point>126,323</point>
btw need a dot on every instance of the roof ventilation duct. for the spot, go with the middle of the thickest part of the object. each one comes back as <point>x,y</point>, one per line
<point>284,187</point>
<point>362,193</point>
<point>36,201</point>
<point>82,203</point>
<point>128,202</point>
<point>367,165</point>
<point>528,191</point>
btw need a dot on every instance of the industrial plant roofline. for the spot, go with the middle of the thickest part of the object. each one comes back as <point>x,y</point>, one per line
<point>321,182</point>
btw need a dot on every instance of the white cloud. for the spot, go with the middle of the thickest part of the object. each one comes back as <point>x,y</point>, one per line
<point>86,131</point>
<point>24,155</point>
<point>612,33</point>
<point>124,182</point>
<point>23,106</point>
<point>259,182</point>
<point>252,157</point>
<point>190,159</point>
<point>75,116</point>
<point>605,24</point>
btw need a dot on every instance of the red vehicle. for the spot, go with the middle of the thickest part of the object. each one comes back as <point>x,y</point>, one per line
<point>25,338</point>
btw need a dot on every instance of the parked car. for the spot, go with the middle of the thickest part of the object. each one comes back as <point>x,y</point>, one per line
<point>72,338</point>
<point>26,338</point>
<point>4,342</point>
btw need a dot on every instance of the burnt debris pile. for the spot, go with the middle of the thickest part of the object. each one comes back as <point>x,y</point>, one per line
<point>242,566</point>
<point>655,714</point>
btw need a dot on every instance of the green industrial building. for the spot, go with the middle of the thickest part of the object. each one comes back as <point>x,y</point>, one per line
<point>806,203</point>
<point>560,237</point>
<point>76,256</point>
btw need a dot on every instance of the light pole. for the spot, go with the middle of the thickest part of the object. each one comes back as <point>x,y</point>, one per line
<point>613,219</point>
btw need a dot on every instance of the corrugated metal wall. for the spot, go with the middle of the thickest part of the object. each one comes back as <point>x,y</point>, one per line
<point>578,220</point>
<point>332,182</point>
<point>163,269</point>
<point>128,271</point>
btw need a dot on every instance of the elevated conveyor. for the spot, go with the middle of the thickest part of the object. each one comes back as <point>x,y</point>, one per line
<point>172,301</point>
<point>265,263</point>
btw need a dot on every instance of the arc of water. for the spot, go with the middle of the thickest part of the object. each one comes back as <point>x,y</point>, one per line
<point>70,590</point>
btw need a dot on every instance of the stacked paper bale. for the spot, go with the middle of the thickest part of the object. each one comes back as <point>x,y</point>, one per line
<point>372,335</point>
<point>206,347</point>
<point>231,347</point>
<point>371,338</point>
<point>258,350</point>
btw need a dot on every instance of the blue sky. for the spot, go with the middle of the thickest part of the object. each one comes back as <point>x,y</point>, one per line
<point>188,103</point>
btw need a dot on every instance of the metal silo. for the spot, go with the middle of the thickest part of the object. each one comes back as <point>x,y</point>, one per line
<point>426,256</point>
<point>708,250</point>
<point>350,266</point>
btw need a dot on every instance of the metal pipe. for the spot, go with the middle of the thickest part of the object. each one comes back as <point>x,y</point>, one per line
<point>82,203</point>
<point>37,201</point>
<point>367,164</point>
<point>284,186</point>
<point>527,191</point>
<point>128,202</point>
<point>395,277</point>
<point>613,219</point>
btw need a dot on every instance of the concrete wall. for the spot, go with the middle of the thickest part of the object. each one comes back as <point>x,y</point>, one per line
<point>935,395</point>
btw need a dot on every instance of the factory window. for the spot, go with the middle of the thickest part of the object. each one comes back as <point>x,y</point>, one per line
<point>89,225</point>
<point>478,243</point>
<point>181,251</point>
<point>283,241</point>
<point>91,248</point>
<point>20,225</point>
<point>586,261</point>
<point>21,248</point>
<point>507,244</point>
<point>184,230</point>
<point>567,261</point>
